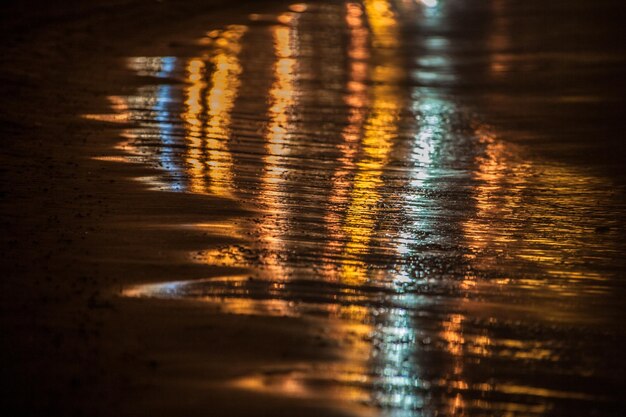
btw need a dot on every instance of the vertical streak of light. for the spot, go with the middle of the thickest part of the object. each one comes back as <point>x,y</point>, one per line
<point>432,110</point>
<point>401,374</point>
<point>195,127</point>
<point>380,129</point>
<point>368,141</point>
<point>208,115</point>
<point>282,97</point>
<point>152,108</point>
<point>394,337</point>
<point>357,102</point>
<point>225,83</point>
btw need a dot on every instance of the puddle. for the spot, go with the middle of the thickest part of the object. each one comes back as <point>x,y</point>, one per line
<point>460,275</point>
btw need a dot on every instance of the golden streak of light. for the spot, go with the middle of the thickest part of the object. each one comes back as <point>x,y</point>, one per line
<point>357,100</point>
<point>195,130</point>
<point>251,306</point>
<point>209,159</point>
<point>121,113</point>
<point>301,383</point>
<point>453,334</point>
<point>379,131</point>
<point>282,100</point>
<point>542,392</point>
<point>383,23</point>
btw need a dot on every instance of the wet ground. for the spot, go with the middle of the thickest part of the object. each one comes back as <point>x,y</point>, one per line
<point>414,175</point>
<point>437,185</point>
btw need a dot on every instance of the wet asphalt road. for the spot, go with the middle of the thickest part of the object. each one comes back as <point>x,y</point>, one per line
<point>440,181</point>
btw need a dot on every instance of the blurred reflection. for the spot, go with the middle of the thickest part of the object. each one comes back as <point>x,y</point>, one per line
<point>282,99</point>
<point>208,113</point>
<point>546,229</point>
<point>195,126</point>
<point>152,110</point>
<point>397,384</point>
<point>429,3</point>
<point>499,41</point>
<point>379,132</point>
<point>380,205</point>
<point>357,100</point>
<point>433,140</point>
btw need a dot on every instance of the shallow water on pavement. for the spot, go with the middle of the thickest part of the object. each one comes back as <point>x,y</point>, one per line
<point>459,274</point>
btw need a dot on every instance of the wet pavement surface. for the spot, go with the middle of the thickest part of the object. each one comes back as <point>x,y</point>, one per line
<point>460,268</point>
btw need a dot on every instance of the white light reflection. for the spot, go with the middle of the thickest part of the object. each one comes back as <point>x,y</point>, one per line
<point>433,64</point>
<point>429,3</point>
<point>153,103</point>
<point>399,385</point>
<point>404,388</point>
<point>431,113</point>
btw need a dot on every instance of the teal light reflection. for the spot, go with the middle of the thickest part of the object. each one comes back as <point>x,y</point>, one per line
<point>400,389</point>
<point>152,109</point>
<point>404,390</point>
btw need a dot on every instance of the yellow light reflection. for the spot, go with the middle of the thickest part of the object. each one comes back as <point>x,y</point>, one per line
<point>537,232</point>
<point>397,380</point>
<point>282,99</point>
<point>379,132</point>
<point>357,101</point>
<point>208,115</point>
<point>195,128</point>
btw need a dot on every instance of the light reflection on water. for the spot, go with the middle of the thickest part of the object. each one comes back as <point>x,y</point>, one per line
<point>382,205</point>
<point>209,104</point>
